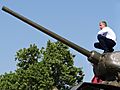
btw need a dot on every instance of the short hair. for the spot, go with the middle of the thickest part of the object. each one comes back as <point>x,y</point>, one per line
<point>104,23</point>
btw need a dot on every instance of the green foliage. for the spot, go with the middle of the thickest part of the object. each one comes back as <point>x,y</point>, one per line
<point>27,56</point>
<point>60,60</point>
<point>8,81</point>
<point>43,69</point>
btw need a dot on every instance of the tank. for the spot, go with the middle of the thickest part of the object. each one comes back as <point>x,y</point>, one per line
<point>105,66</point>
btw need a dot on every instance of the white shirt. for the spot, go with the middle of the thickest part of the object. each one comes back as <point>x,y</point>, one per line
<point>108,33</point>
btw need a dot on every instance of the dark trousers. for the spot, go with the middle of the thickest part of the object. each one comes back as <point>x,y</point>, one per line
<point>105,44</point>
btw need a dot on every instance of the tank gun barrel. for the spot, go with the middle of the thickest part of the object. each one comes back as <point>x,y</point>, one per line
<point>48,32</point>
<point>93,56</point>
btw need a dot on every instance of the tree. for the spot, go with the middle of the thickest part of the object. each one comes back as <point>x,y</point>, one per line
<point>43,69</point>
<point>8,81</point>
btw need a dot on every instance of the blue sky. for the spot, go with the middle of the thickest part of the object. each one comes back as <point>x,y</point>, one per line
<point>75,20</point>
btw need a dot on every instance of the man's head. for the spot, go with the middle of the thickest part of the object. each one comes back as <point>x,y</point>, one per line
<point>102,24</point>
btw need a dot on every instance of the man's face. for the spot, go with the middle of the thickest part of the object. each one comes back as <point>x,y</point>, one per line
<point>101,25</point>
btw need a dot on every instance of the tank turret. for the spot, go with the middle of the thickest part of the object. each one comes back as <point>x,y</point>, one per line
<point>106,65</point>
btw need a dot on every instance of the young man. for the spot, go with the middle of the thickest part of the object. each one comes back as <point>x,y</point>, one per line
<point>106,38</point>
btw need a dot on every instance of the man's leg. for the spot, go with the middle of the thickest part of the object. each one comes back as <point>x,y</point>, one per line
<point>97,45</point>
<point>103,43</point>
<point>106,44</point>
<point>110,43</point>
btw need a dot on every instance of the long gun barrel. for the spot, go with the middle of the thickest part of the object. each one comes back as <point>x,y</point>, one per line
<point>52,34</point>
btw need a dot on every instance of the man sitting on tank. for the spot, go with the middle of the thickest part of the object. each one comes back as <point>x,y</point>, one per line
<point>106,38</point>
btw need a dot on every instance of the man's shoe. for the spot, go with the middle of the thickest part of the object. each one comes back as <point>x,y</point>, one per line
<point>111,50</point>
<point>105,51</point>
